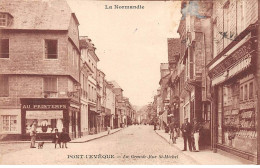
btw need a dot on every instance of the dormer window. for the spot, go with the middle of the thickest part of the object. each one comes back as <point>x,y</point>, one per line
<point>5,19</point>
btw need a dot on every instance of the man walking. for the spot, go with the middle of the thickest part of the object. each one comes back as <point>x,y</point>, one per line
<point>33,134</point>
<point>172,131</point>
<point>186,133</point>
<point>196,133</point>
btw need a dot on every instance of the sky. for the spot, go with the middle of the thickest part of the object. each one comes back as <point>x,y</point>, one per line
<point>130,44</point>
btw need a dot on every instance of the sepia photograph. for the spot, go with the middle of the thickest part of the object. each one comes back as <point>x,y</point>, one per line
<point>129,82</point>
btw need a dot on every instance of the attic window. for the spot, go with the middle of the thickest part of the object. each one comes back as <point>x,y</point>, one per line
<point>5,19</point>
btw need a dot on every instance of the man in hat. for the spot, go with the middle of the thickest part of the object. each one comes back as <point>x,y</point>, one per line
<point>186,133</point>
<point>196,133</point>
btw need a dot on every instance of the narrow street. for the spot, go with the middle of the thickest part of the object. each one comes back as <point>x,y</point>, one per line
<point>133,142</point>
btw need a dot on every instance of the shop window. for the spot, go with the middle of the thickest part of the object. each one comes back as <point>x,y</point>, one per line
<point>51,49</point>
<point>251,90</point>
<point>50,84</point>
<point>47,121</point>
<point>9,123</point>
<point>4,86</point>
<point>4,48</point>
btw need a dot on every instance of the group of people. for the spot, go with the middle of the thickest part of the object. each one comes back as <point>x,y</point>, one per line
<point>190,133</point>
<point>60,139</point>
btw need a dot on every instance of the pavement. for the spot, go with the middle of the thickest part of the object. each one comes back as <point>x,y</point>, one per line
<point>205,156</point>
<point>134,145</point>
<point>83,139</point>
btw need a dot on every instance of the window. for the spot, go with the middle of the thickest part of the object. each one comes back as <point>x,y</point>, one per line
<point>4,86</point>
<point>241,15</point>
<point>51,49</point>
<point>50,84</point>
<point>4,48</point>
<point>251,90</point>
<point>245,92</point>
<point>9,123</point>
<point>226,23</point>
<point>3,19</point>
<point>191,64</point>
<point>241,93</point>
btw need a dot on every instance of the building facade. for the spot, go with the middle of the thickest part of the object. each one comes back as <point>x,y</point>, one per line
<point>88,52</point>
<point>39,69</point>
<point>233,74</point>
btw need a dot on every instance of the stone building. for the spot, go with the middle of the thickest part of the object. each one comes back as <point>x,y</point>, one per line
<point>101,97</point>
<point>174,48</point>
<point>119,104</point>
<point>39,68</point>
<point>164,95</point>
<point>195,30</point>
<point>110,105</point>
<point>85,72</point>
<point>233,74</point>
<point>88,52</point>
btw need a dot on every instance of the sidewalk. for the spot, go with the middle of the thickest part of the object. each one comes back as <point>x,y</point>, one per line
<point>88,138</point>
<point>83,139</point>
<point>205,157</point>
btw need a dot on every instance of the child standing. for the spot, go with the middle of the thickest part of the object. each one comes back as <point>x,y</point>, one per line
<point>56,138</point>
<point>64,138</point>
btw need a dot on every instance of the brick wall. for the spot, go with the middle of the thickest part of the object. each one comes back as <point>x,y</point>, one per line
<point>26,54</point>
<point>28,86</point>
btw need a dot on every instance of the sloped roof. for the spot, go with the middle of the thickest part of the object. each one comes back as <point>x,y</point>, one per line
<point>37,14</point>
<point>116,85</point>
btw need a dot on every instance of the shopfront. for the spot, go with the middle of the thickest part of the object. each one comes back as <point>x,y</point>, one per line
<point>235,99</point>
<point>92,119</point>
<point>49,114</point>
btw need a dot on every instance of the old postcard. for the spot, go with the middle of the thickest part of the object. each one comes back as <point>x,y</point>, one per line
<point>85,82</point>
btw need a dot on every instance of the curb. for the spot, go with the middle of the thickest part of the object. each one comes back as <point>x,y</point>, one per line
<point>8,142</point>
<point>97,137</point>
<point>178,148</point>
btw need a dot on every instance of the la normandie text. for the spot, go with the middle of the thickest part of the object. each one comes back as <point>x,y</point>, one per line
<point>124,7</point>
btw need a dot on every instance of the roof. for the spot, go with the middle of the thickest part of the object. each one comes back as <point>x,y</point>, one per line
<point>38,15</point>
<point>116,86</point>
<point>85,42</point>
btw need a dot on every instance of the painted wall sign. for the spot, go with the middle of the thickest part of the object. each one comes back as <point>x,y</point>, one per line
<point>35,106</point>
<point>231,59</point>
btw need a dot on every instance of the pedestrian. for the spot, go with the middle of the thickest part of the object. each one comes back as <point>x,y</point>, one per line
<point>33,134</point>
<point>172,131</point>
<point>196,134</point>
<point>56,138</point>
<point>154,125</point>
<point>108,129</point>
<point>186,133</point>
<point>64,138</point>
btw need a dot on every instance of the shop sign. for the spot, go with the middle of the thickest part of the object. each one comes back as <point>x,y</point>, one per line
<point>50,114</point>
<point>231,59</point>
<point>242,65</point>
<point>37,106</point>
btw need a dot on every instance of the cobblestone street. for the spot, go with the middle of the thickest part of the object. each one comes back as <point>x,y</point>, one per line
<point>135,142</point>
